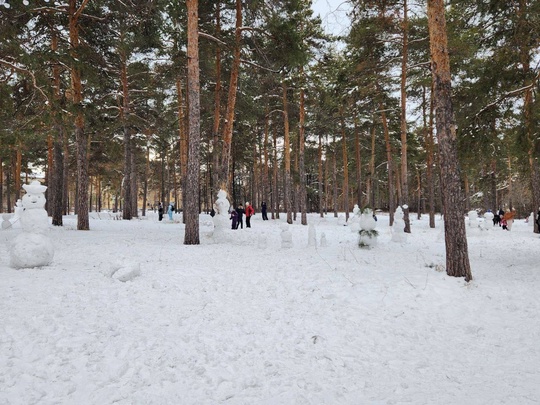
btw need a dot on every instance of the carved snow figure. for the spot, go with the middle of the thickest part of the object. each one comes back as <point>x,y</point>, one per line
<point>324,243</point>
<point>221,219</point>
<point>473,219</point>
<point>6,223</point>
<point>286,237</point>
<point>367,234</point>
<point>312,235</point>
<point>530,221</point>
<point>32,248</point>
<point>488,219</point>
<point>18,211</point>
<point>354,220</point>
<point>398,227</point>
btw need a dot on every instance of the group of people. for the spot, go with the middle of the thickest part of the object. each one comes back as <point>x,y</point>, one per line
<point>504,219</point>
<point>170,211</point>
<point>237,215</point>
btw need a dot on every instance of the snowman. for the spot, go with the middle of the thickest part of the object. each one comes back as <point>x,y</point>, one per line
<point>354,221</point>
<point>32,248</point>
<point>398,227</point>
<point>221,219</point>
<point>488,219</point>
<point>367,234</point>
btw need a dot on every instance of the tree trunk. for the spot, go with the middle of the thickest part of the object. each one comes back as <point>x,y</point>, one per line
<point>81,138</point>
<point>191,211</point>
<point>287,156</point>
<point>57,174</point>
<point>133,187</point>
<point>124,116</point>
<point>321,179</point>
<point>357,151</point>
<point>390,163</point>
<point>429,142</point>
<point>231,102</point>
<point>345,166</point>
<point>301,144</point>
<point>275,193</point>
<point>370,187</point>
<point>457,256</point>
<point>404,168</point>
<point>217,109</point>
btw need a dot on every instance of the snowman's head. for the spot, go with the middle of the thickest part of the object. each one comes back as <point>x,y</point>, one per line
<point>34,197</point>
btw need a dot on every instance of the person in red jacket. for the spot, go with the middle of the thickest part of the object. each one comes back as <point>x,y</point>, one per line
<point>249,212</point>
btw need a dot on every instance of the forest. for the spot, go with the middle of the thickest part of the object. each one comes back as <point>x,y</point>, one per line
<point>96,99</point>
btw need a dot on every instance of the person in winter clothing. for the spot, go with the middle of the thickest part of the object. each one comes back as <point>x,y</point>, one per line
<point>249,213</point>
<point>508,217</point>
<point>264,211</point>
<point>538,219</point>
<point>234,217</point>
<point>170,211</point>
<point>160,211</point>
<point>240,211</point>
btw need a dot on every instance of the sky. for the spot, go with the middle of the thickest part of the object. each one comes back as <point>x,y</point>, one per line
<point>333,14</point>
<point>126,314</point>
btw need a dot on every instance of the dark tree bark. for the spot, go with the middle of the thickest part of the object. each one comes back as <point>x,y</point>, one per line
<point>457,256</point>
<point>191,211</point>
<point>81,137</point>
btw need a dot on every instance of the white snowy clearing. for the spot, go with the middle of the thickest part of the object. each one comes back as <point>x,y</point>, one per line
<point>126,314</point>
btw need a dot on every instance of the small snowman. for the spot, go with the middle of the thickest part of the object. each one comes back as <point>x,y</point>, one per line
<point>473,219</point>
<point>354,221</point>
<point>32,248</point>
<point>286,237</point>
<point>488,219</point>
<point>398,227</point>
<point>221,219</point>
<point>367,234</point>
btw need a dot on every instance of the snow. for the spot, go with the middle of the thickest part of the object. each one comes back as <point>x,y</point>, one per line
<point>247,322</point>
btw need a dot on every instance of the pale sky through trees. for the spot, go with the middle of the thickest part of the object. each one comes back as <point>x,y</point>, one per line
<point>333,15</point>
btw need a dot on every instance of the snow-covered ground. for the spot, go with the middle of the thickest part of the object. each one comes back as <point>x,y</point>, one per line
<point>248,322</point>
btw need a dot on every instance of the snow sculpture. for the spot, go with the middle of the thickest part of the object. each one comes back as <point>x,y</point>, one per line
<point>286,237</point>
<point>6,223</point>
<point>398,227</point>
<point>473,219</point>
<point>221,219</point>
<point>530,221</point>
<point>32,248</point>
<point>367,234</point>
<point>324,243</point>
<point>312,235</point>
<point>354,221</point>
<point>18,210</point>
<point>488,219</point>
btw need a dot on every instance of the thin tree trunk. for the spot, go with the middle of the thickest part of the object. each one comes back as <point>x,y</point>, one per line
<point>301,144</point>
<point>457,256</point>
<point>370,187</point>
<point>81,138</point>
<point>390,163</point>
<point>345,166</point>
<point>191,211</point>
<point>287,156</point>
<point>428,140</point>
<point>321,179</point>
<point>231,102</point>
<point>358,163</point>
<point>57,178</point>
<point>275,194</point>
<point>217,109</point>
<point>404,168</point>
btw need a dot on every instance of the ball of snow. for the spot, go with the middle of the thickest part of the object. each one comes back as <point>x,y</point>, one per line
<point>31,250</point>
